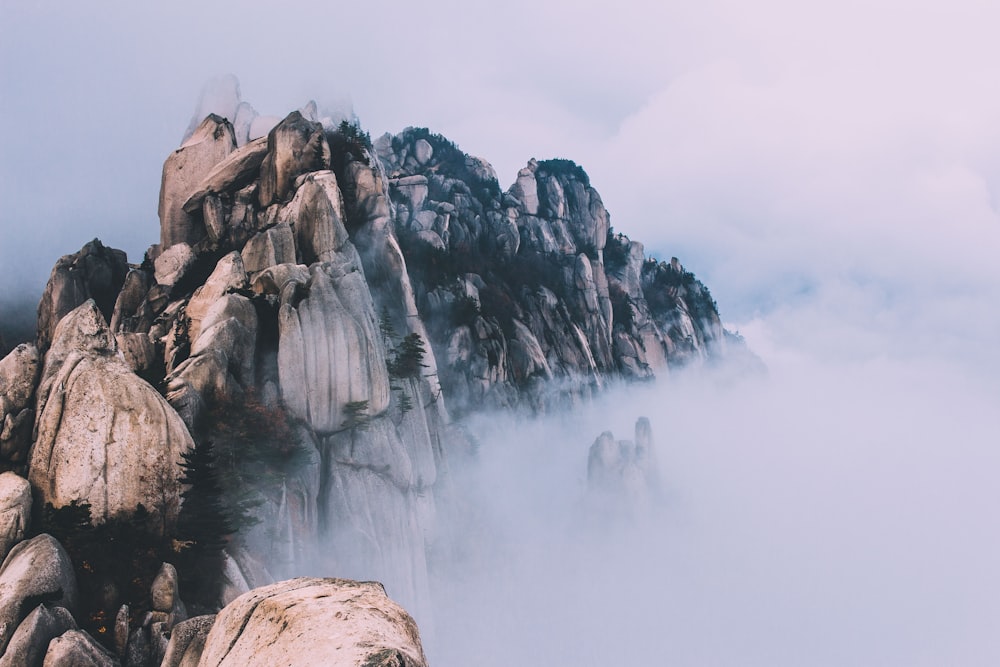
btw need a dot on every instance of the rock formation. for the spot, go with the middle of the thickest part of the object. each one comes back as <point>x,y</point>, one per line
<point>321,308</point>
<point>104,436</point>
<point>314,622</point>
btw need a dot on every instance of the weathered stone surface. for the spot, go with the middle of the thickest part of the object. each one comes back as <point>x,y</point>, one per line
<point>187,641</point>
<point>319,622</point>
<point>19,373</point>
<point>623,478</point>
<point>173,264</point>
<point>130,300</point>
<point>228,276</point>
<point>330,351</point>
<point>76,648</point>
<point>37,570</point>
<point>15,510</point>
<point>95,272</point>
<point>525,189</point>
<point>32,638</point>
<point>295,146</point>
<point>316,213</point>
<point>273,279</point>
<point>163,592</point>
<point>183,172</point>
<point>104,435</point>
<point>236,171</point>
<point>270,247</point>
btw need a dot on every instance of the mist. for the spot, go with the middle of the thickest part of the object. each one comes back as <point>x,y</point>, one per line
<point>832,511</point>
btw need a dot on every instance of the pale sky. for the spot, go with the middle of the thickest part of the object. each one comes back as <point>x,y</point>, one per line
<point>831,170</point>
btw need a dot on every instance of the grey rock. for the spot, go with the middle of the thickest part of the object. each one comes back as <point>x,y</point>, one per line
<point>183,171</point>
<point>319,622</point>
<point>19,375</point>
<point>35,571</point>
<point>295,146</point>
<point>15,510</point>
<point>95,272</point>
<point>270,247</point>
<point>187,641</point>
<point>76,648</point>
<point>174,263</point>
<point>31,640</point>
<point>316,213</point>
<point>330,351</point>
<point>235,172</point>
<point>104,435</point>
<point>163,592</point>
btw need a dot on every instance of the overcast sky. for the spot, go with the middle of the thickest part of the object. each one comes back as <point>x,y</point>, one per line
<point>831,170</point>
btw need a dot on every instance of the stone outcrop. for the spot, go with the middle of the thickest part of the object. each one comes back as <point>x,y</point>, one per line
<point>76,648</point>
<point>623,476</point>
<point>95,272</point>
<point>187,642</point>
<point>35,571</point>
<point>19,372</point>
<point>33,637</point>
<point>183,172</point>
<point>15,510</point>
<point>314,622</point>
<point>104,436</point>
<point>295,146</point>
<point>329,353</point>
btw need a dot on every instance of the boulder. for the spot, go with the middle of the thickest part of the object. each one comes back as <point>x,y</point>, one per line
<point>130,300</point>
<point>316,213</point>
<point>268,248</point>
<point>183,172</point>
<point>173,264</point>
<point>15,510</point>
<point>95,272</point>
<point>164,593</point>
<point>31,640</point>
<point>273,279</point>
<point>76,648</point>
<point>295,146</point>
<point>19,372</point>
<point>236,171</point>
<point>228,276</point>
<point>187,641</point>
<point>104,435</point>
<point>35,571</point>
<point>525,189</point>
<point>317,622</point>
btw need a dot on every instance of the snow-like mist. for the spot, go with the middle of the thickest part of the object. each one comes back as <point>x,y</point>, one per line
<point>828,513</point>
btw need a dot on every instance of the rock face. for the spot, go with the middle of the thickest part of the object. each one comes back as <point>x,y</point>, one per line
<point>32,638</point>
<point>104,435</point>
<point>329,304</point>
<point>95,272</point>
<point>187,642</point>
<point>295,146</point>
<point>521,288</point>
<point>35,571</point>
<point>183,173</point>
<point>77,648</point>
<point>314,622</point>
<point>19,373</point>
<point>623,477</point>
<point>15,510</point>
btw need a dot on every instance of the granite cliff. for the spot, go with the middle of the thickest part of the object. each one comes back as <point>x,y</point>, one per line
<point>320,312</point>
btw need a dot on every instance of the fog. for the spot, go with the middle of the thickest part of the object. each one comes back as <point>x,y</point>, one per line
<point>828,513</point>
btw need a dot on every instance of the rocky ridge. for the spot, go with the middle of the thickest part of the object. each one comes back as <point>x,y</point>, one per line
<point>350,300</point>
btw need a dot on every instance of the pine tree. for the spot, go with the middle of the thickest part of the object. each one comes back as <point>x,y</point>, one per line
<point>203,525</point>
<point>408,358</point>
